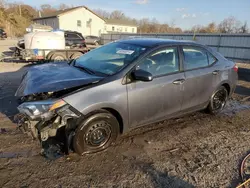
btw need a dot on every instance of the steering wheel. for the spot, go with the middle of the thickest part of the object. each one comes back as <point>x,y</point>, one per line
<point>146,64</point>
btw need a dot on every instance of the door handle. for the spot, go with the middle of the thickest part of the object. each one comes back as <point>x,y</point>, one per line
<point>216,72</point>
<point>179,81</point>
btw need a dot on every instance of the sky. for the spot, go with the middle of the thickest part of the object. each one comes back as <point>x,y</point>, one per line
<point>183,13</point>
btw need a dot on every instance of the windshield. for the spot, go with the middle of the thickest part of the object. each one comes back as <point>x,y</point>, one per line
<point>110,58</point>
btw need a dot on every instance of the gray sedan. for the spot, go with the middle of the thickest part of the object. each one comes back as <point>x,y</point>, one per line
<point>94,40</point>
<point>85,104</point>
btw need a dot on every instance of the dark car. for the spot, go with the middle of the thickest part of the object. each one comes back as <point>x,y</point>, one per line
<point>120,86</point>
<point>74,39</point>
<point>94,40</point>
<point>3,34</point>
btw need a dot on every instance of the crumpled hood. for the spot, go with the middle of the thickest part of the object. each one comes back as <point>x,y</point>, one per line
<point>53,77</point>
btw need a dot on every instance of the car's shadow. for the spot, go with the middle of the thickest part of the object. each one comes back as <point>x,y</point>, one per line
<point>9,82</point>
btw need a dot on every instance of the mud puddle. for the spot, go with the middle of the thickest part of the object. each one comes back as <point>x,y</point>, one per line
<point>233,107</point>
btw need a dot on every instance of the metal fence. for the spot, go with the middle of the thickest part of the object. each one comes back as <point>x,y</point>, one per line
<point>233,46</point>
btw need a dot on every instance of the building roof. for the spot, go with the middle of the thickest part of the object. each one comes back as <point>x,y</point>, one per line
<point>120,22</point>
<point>108,21</point>
<point>40,26</point>
<point>60,12</point>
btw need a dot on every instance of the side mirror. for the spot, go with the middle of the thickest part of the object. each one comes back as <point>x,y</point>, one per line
<point>142,75</point>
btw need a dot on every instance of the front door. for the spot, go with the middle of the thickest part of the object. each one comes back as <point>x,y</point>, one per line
<point>152,101</point>
<point>200,76</point>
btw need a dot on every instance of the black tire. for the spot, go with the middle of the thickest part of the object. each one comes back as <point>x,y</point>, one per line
<point>218,100</point>
<point>96,43</point>
<point>96,133</point>
<point>76,55</point>
<point>58,56</point>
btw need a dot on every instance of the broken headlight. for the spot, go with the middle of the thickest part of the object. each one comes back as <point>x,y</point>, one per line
<point>40,109</point>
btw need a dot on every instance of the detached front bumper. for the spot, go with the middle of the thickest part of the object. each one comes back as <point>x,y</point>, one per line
<point>48,126</point>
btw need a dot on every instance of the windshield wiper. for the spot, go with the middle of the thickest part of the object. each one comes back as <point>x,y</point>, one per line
<point>85,69</point>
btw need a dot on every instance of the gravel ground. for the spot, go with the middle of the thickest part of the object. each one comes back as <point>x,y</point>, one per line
<point>197,150</point>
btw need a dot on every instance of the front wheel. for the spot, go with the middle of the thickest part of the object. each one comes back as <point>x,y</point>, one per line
<point>96,133</point>
<point>58,56</point>
<point>218,100</point>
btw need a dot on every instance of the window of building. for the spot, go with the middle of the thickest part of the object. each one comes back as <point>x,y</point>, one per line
<point>126,29</point>
<point>133,30</point>
<point>161,62</point>
<point>113,28</point>
<point>79,23</point>
<point>105,28</point>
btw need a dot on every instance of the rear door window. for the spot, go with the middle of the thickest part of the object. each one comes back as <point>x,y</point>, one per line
<point>73,36</point>
<point>195,57</point>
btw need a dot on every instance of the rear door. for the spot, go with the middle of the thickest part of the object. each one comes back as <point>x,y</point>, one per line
<point>152,101</point>
<point>200,76</point>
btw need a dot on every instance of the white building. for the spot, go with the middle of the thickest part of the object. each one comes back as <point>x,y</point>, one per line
<point>85,21</point>
<point>120,26</point>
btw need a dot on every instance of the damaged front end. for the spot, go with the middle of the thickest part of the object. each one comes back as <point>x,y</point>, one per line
<point>43,112</point>
<point>50,121</point>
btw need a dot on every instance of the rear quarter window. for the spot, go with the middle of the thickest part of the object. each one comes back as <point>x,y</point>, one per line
<point>211,58</point>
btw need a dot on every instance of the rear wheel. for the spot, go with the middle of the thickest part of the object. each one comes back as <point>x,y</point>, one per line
<point>96,43</point>
<point>58,56</point>
<point>76,55</point>
<point>96,133</point>
<point>218,100</point>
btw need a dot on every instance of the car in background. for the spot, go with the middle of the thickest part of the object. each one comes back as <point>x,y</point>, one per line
<point>74,44</point>
<point>90,101</point>
<point>93,40</point>
<point>3,34</point>
<point>74,39</point>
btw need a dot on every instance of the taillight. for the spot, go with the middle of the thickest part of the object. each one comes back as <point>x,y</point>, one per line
<point>235,68</point>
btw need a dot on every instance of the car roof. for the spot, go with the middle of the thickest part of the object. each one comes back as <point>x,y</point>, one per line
<point>151,42</point>
<point>72,32</point>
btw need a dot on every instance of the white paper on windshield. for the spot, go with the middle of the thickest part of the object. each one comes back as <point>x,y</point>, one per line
<point>128,52</point>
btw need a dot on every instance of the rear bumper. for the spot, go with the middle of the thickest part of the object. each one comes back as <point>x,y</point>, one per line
<point>234,84</point>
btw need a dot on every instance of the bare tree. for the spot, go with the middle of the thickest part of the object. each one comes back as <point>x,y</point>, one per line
<point>244,28</point>
<point>211,28</point>
<point>229,25</point>
<point>104,14</point>
<point>63,6</point>
<point>22,10</point>
<point>2,4</point>
<point>117,14</point>
<point>47,8</point>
